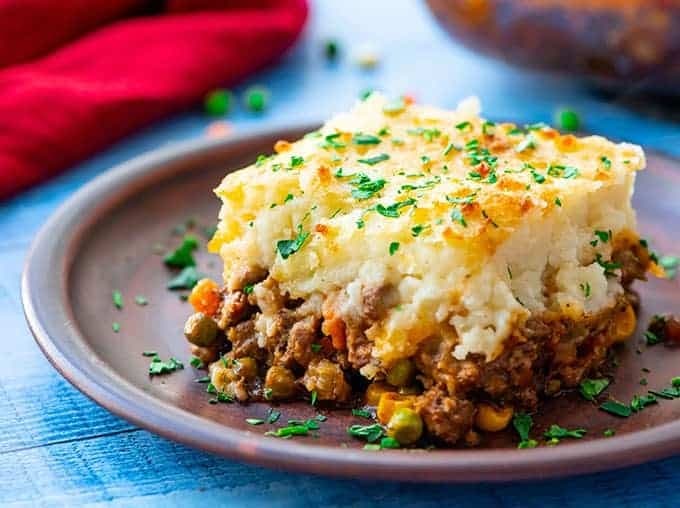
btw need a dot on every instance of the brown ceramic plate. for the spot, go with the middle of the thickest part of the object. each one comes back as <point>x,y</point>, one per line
<point>103,239</point>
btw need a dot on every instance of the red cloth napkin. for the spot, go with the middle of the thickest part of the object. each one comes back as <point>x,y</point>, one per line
<point>76,75</point>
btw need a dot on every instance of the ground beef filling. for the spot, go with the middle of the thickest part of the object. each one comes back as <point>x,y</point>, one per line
<point>271,347</point>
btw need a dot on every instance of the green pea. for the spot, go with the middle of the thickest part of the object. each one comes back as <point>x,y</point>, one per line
<point>568,120</point>
<point>256,98</point>
<point>401,373</point>
<point>331,49</point>
<point>201,330</point>
<point>218,102</point>
<point>405,426</point>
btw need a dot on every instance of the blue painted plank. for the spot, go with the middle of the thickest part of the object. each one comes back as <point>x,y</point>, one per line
<point>137,468</point>
<point>37,406</point>
<point>59,449</point>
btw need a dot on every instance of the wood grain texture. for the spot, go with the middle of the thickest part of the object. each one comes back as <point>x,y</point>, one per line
<point>59,449</point>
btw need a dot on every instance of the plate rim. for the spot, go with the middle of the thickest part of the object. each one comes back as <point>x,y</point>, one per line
<point>55,332</point>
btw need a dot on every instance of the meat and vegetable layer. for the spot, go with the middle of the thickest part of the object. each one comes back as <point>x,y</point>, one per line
<point>446,269</point>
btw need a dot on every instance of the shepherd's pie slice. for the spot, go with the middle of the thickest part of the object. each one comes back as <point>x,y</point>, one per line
<point>452,268</point>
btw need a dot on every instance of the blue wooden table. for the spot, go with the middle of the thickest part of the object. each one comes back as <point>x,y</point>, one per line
<point>59,448</point>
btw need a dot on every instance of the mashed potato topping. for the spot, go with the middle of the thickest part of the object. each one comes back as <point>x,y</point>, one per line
<point>475,225</point>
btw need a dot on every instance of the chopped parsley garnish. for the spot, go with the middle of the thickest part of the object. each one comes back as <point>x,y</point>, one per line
<point>141,300</point>
<point>558,202</point>
<point>670,265</point>
<point>365,94</point>
<point>117,298</point>
<point>528,143</point>
<point>219,396</point>
<point>538,178</point>
<point>248,289</point>
<point>465,200</point>
<point>158,366</point>
<point>364,187</point>
<point>608,432</point>
<point>609,266</point>
<point>522,423</point>
<point>652,338</point>
<point>488,128</point>
<point>115,326</point>
<point>666,393</point>
<point>604,236</point>
<point>418,228</point>
<point>254,421</point>
<point>369,433</point>
<point>374,160</point>
<point>639,402</point>
<point>182,256</point>
<point>426,185</point>
<point>313,398</point>
<point>477,155</point>
<point>389,442</point>
<point>294,428</point>
<point>149,353</point>
<point>457,216</point>
<point>557,432</point>
<point>288,247</point>
<point>316,348</point>
<point>393,209</point>
<point>331,141</point>
<point>463,125</point>
<point>616,408</point>
<point>585,288</point>
<point>451,147</point>
<point>394,247</point>
<point>204,379</point>
<point>559,171</point>
<point>606,162</point>
<point>366,139</point>
<point>261,159</point>
<point>186,279</point>
<point>296,160</point>
<point>568,120</point>
<point>363,413</point>
<point>591,388</point>
<point>289,197</point>
<point>196,362</point>
<point>273,415</point>
<point>427,134</point>
<point>289,431</point>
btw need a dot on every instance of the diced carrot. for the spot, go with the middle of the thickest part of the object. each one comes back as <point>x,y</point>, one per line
<point>336,329</point>
<point>390,402</point>
<point>205,297</point>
